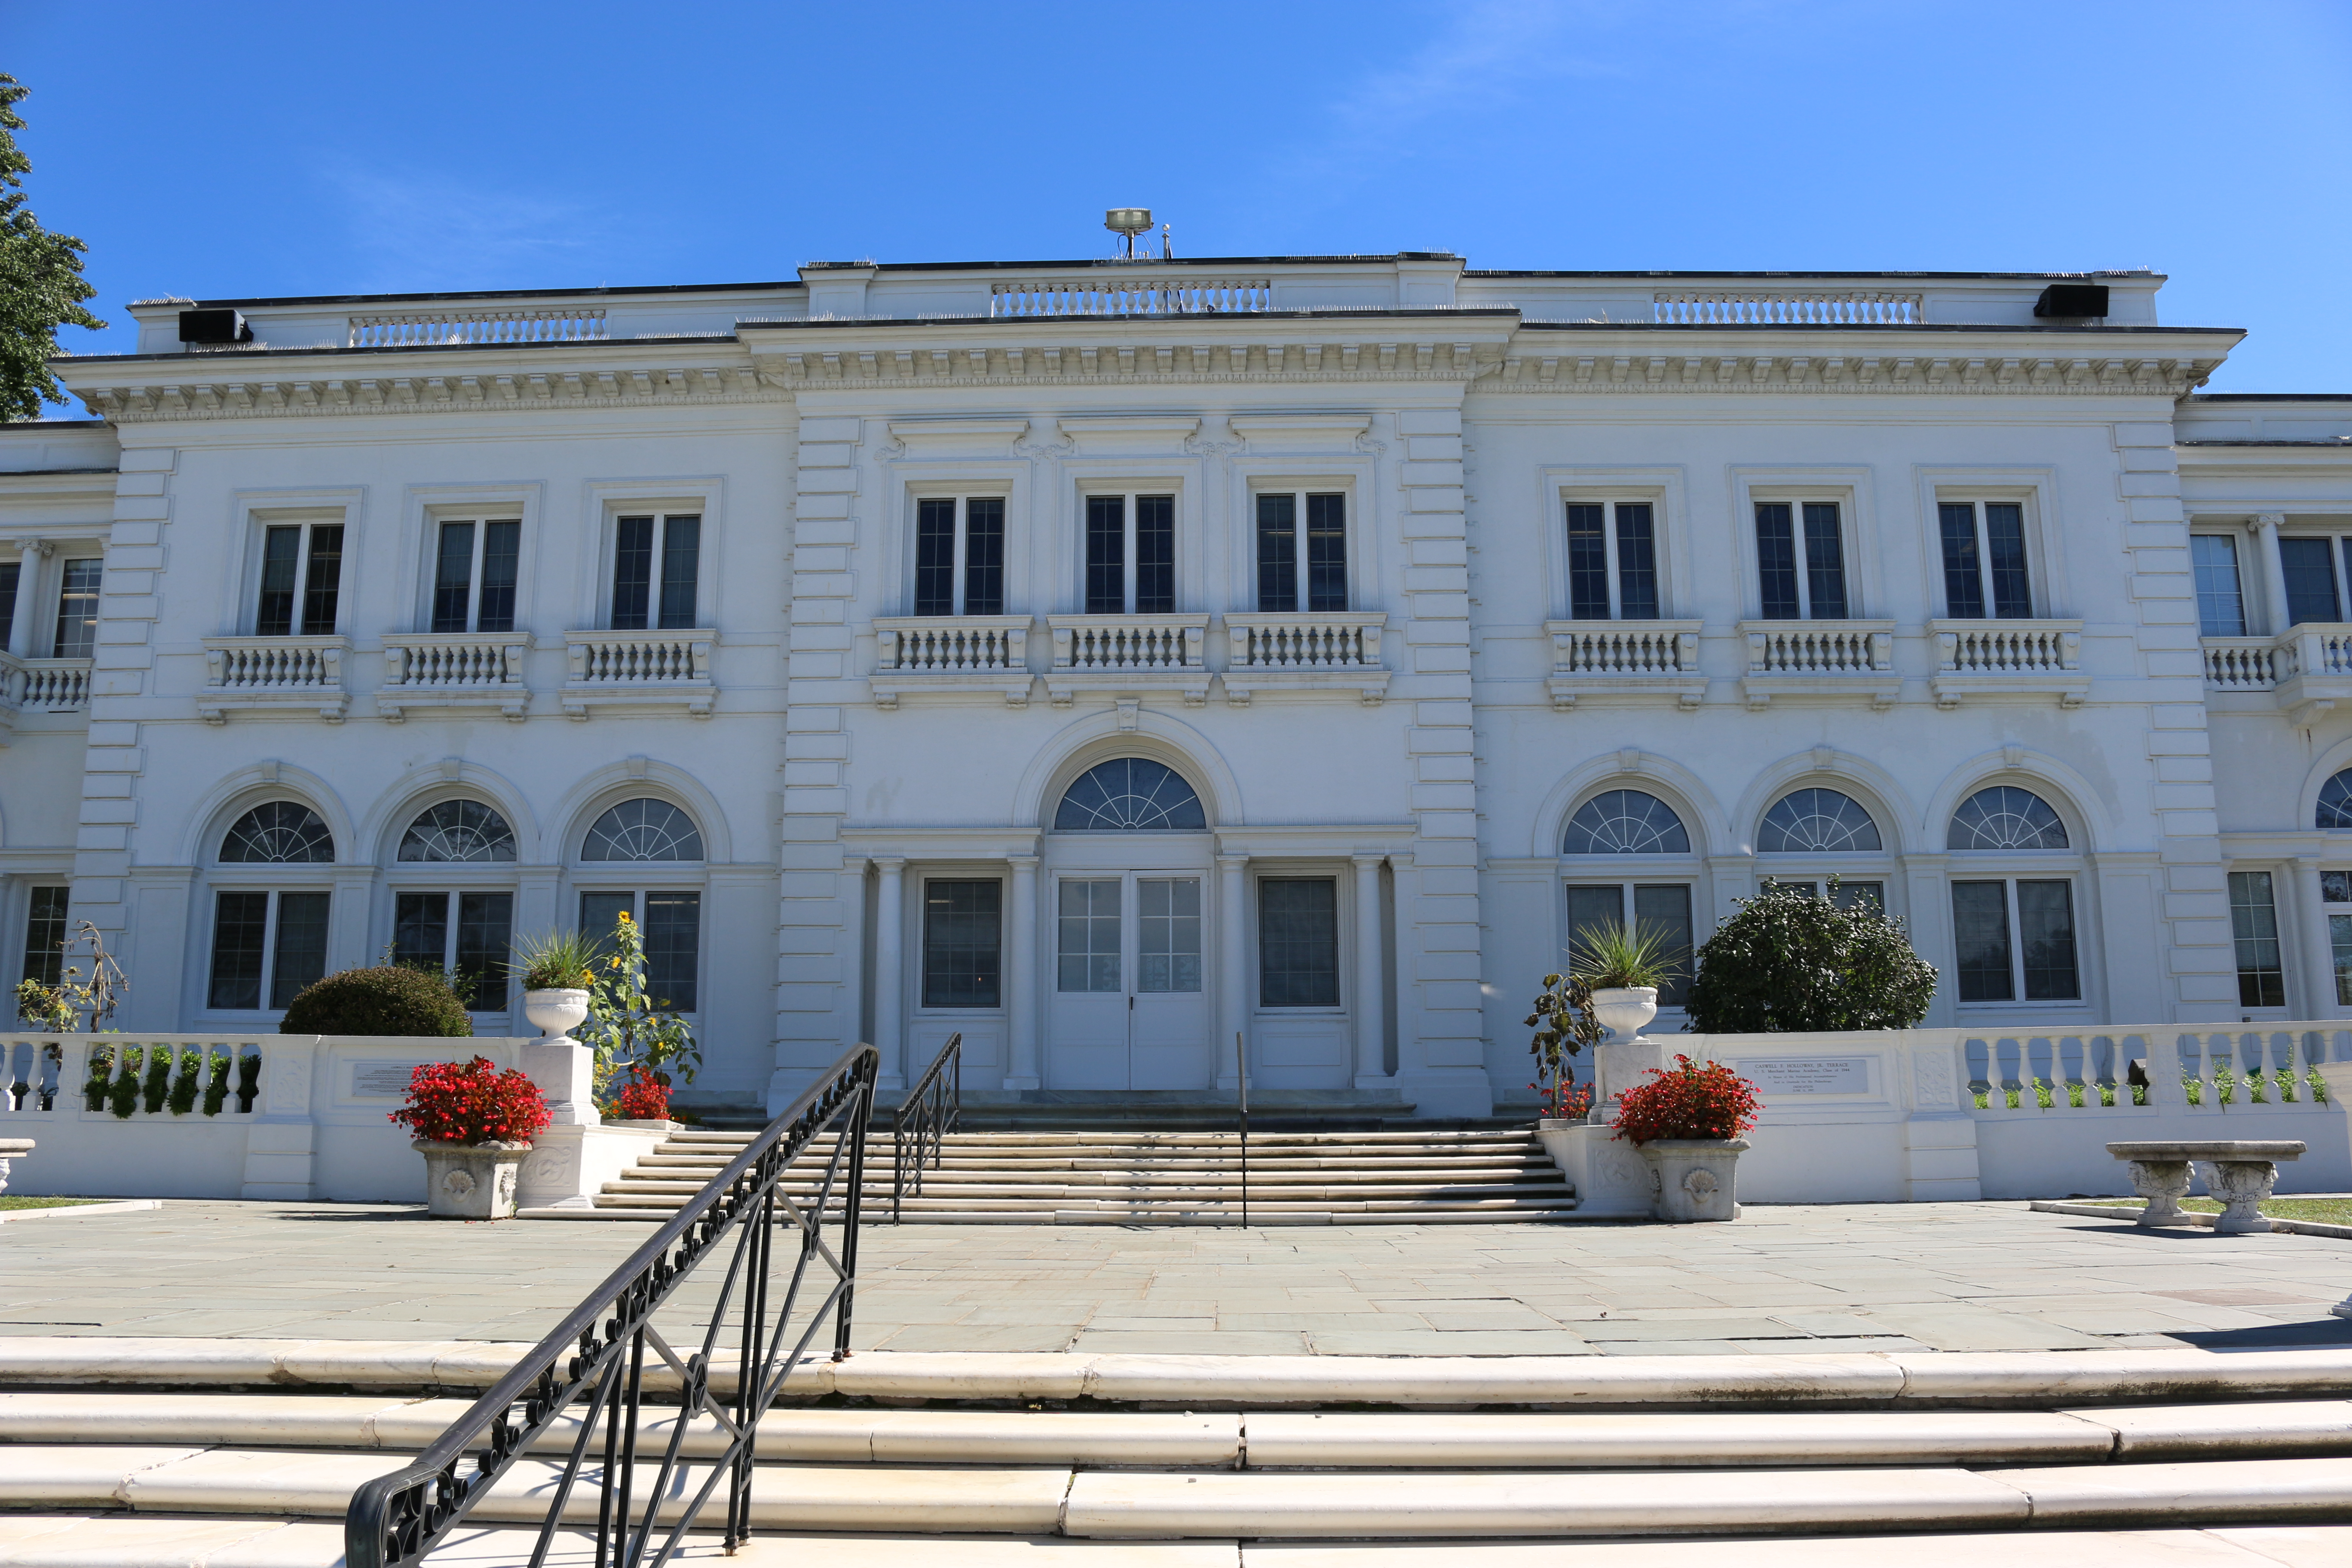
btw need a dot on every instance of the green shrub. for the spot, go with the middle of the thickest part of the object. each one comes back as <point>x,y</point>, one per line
<point>1791,961</point>
<point>123,1094</point>
<point>182,1098</point>
<point>248,1080</point>
<point>101,1074</point>
<point>158,1076</point>
<point>384,1001</point>
<point>217,1083</point>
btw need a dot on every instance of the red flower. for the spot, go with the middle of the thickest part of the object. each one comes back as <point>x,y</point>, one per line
<point>473,1102</point>
<point>1688,1101</point>
<point>644,1098</point>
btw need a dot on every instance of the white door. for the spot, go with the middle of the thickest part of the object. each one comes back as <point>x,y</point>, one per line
<point>1130,1006</point>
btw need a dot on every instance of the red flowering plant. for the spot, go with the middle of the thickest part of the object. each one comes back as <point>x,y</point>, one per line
<point>1563,1098</point>
<point>642,1098</point>
<point>471,1102</point>
<point>1688,1100</point>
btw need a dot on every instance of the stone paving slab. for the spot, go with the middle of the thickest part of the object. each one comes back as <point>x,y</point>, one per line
<point>1782,1280</point>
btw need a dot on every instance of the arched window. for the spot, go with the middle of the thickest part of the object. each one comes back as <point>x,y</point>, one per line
<point>278,831</point>
<point>1625,821</point>
<point>457,831</point>
<point>1130,795</point>
<point>2013,936</point>
<point>2335,802</point>
<point>642,829</point>
<point>2006,817</point>
<point>1817,822</point>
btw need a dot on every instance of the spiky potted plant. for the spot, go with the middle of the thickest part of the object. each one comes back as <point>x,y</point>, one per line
<point>558,972</point>
<point>1622,968</point>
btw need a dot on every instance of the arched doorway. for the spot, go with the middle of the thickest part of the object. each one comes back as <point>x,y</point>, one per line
<point>1127,909</point>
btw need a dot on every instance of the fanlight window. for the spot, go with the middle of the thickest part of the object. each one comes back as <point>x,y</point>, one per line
<point>458,830</point>
<point>1130,795</point>
<point>643,830</point>
<point>2006,817</point>
<point>2335,801</point>
<point>1625,821</point>
<point>278,831</point>
<point>1817,822</point>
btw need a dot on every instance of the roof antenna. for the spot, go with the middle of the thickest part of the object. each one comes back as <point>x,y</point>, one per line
<point>1167,245</point>
<point>1129,221</point>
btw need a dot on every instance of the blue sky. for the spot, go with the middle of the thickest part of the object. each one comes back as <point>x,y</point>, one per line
<point>243,147</point>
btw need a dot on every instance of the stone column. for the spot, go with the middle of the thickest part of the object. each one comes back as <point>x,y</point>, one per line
<point>1233,958</point>
<point>1371,977</point>
<point>890,970</point>
<point>2266,530</point>
<point>1928,892</point>
<point>2318,950</point>
<point>1021,988</point>
<point>18,637</point>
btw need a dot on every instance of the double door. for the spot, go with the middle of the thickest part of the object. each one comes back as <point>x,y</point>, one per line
<point>1129,1004</point>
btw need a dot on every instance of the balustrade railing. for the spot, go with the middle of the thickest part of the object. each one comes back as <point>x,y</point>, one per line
<point>454,662</point>
<point>1864,308</point>
<point>1819,648</point>
<point>597,1359</point>
<point>129,1076</point>
<point>52,684</point>
<point>638,666</point>
<point>274,672</point>
<point>2006,647</point>
<point>1623,648</point>
<point>2245,1068</point>
<point>1328,641</point>
<point>2243,663</point>
<point>919,1126</point>
<point>1141,296</point>
<point>944,645</point>
<point>421,329</point>
<point>1121,643</point>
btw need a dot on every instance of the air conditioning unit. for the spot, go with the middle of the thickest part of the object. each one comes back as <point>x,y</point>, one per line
<point>2073,300</point>
<point>216,326</point>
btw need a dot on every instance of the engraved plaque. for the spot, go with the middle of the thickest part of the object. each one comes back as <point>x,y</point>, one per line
<point>1807,1074</point>
<point>380,1079</point>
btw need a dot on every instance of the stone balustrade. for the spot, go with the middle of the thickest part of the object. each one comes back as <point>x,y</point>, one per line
<point>281,673</point>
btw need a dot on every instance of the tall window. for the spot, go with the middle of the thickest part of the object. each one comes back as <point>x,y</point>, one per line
<point>467,933</point>
<point>2221,604</point>
<point>1630,822</point>
<point>1302,568</point>
<point>2253,925</point>
<point>1613,571</point>
<point>78,610</point>
<point>656,564</point>
<point>45,934</point>
<point>1801,560</point>
<point>671,919</point>
<point>2014,936</point>
<point>960,556</point>
<point>301,579</point>
<point>1131,555</point>
<point>269,944</point>
<point>11,574</point>
<point>1297,941</point>
<point>2315,587</point>
<point>2335,893</point>
<point>963,942</point>
<point>474,575</point>
<point>1984,560</point>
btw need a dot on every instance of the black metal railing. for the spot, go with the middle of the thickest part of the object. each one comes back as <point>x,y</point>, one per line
<point>923,1120</point>
<point>598,1354</point>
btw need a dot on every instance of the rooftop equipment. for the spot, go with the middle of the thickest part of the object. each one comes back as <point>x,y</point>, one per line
<point>2073,300</point>
<point>1129,221</point>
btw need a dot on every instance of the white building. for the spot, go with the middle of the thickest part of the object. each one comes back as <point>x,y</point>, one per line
<point>1103,661</point>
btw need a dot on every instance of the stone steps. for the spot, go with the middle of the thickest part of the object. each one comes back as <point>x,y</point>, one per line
<point>1153,1178</point>
<point>128,1451</point>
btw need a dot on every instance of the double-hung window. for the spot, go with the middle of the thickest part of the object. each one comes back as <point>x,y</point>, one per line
<point>2314,568</point>
<point>1131,555</point>
<point>1801,561</point>
<point>2015,937</point>
<point>12,572</point>
<point>960,556</point>
<point>656,564</point>
<point>2253,929</point>
<point>1613,561</point>
<point>466,933</point>
<point>1660,909</point>
<point>963,941</point>
<point>1297,941</point>
<point>301,579</point>
<point>473,571</point>
<point>1984,560</point>
<point>78,609</point>
<point>2220,597</point>
<point>45,934</point>
<point>1302,552</point>
<point>266,944</point>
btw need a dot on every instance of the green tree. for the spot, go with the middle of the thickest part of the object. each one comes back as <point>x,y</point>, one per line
<point>1789,960</point>
<point>41,286</point>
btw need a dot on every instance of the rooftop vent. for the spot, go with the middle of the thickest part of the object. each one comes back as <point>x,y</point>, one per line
<point>2073,300</point>
<point>220,326</point>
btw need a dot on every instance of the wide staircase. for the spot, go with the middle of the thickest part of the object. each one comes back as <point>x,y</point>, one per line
<point>1153,1178</point>
<point>144,1453</point>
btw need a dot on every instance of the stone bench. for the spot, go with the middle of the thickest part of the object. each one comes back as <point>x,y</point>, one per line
<point>2243,1170</point>
<point>12,1149</point>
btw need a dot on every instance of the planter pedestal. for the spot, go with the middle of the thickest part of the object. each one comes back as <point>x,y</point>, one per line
<point>1694,1177</point>
<point>1610,1178</point>
<point>569,1165</point>
<point>472,1181</point>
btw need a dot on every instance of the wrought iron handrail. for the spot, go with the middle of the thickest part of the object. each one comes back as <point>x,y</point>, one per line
<point>598,1352</point>
<point>927,1114</point>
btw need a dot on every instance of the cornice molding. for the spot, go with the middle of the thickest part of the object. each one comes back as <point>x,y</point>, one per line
<point>486,393</point>
<point>1852,374</point>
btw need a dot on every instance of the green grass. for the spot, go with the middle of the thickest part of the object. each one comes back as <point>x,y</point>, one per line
<point>2327,1211</point>
<point>7,1202</point>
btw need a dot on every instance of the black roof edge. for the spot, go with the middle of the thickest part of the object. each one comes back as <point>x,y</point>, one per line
<point>1121,264</point>
<point>1473,312</point>
<point>1847,327</point>
<point>2270,398</point>
<point>233,355</point>
<point>600,292</point>
<point>7,425</point>
<point>2337,442</point>
<point>16,473</point>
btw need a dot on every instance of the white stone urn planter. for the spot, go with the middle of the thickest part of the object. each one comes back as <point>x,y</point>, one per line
<point>1619,1061</point>
<point>1693,1178</point>
<point>556,1013</point>
<point>472,1181</point>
